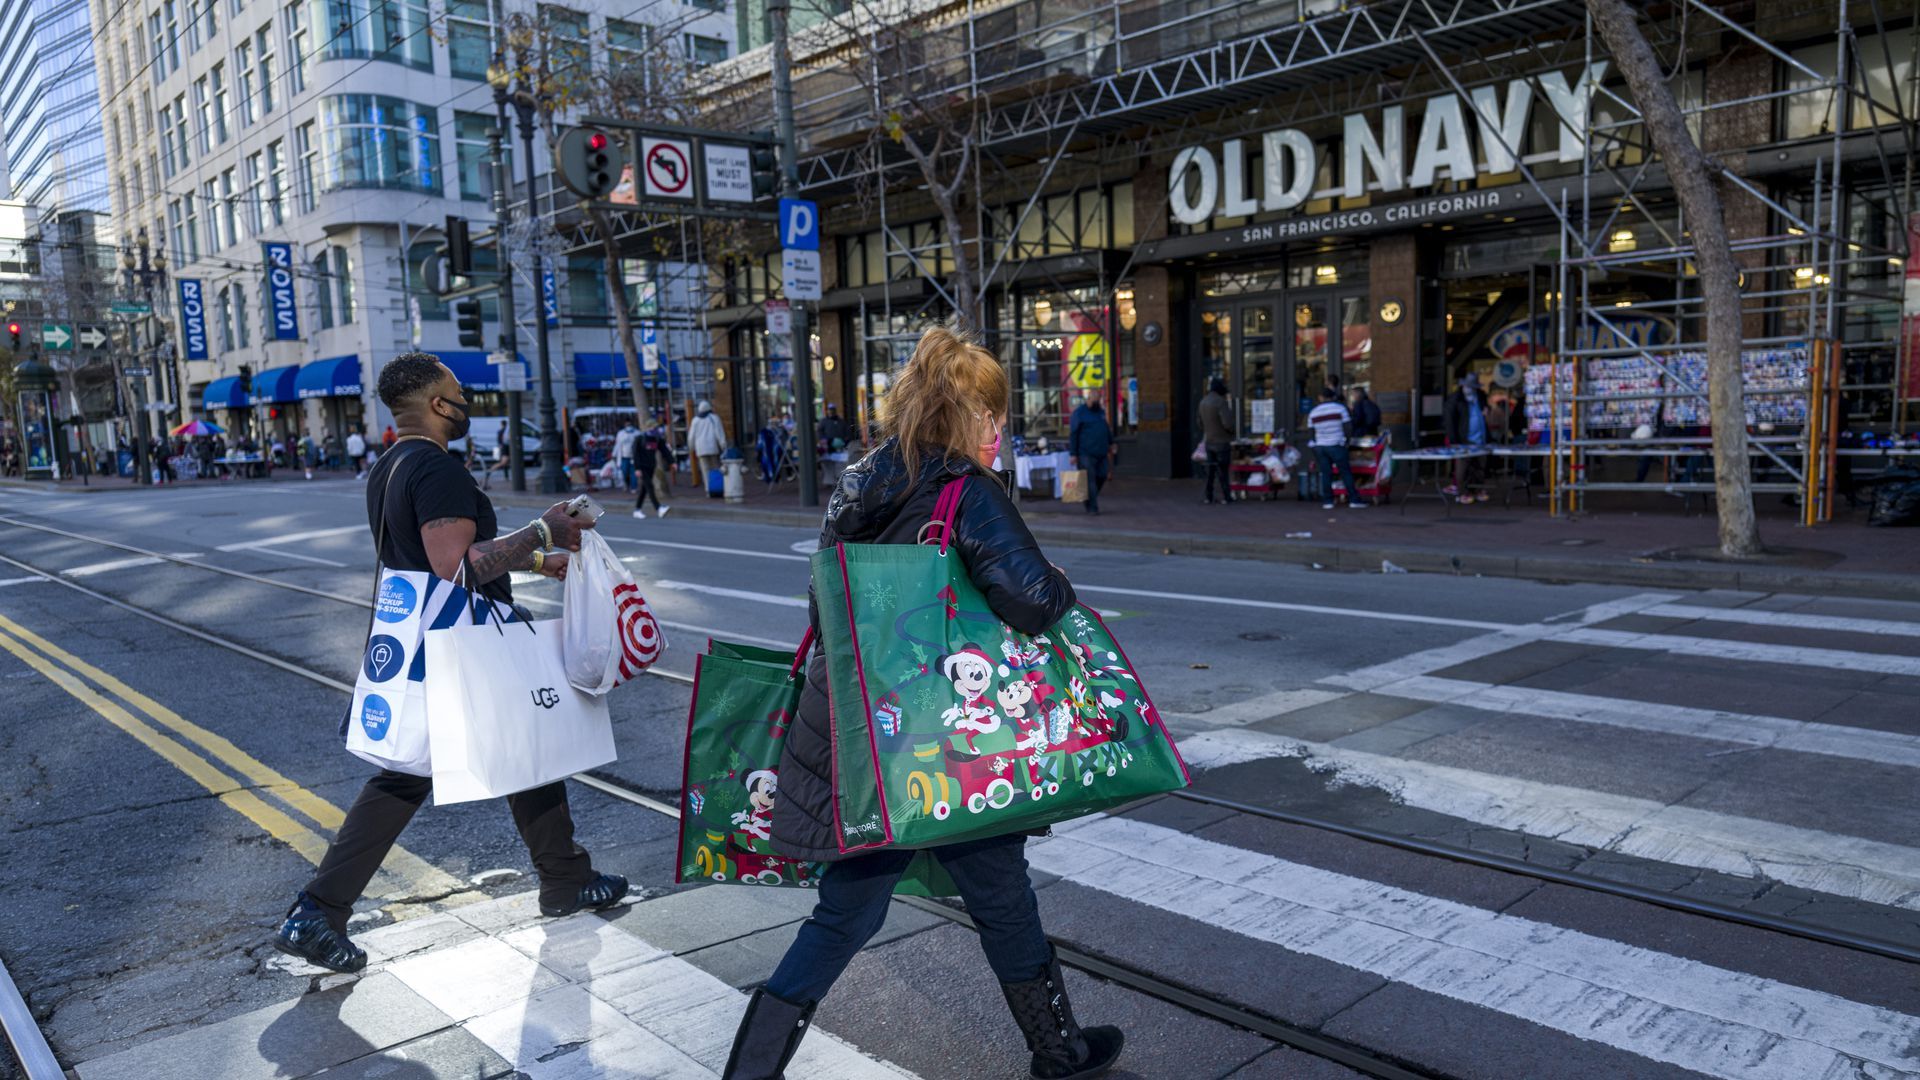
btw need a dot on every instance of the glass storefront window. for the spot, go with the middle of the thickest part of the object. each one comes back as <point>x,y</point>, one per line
<point>374,141</point>
<point>396,31</point>
<point>1060,347</point>
<point>886,344</point>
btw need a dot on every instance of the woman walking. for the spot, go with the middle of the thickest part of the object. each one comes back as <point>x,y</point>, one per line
<point>943,418</point>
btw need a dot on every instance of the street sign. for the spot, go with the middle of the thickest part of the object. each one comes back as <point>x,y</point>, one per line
<point>136,372</point>
<point>499,356</point>
<point>667,167</point>
<point>649,348</point>
<point>729,173</point>
<point>93,337</point>
<point>800,274</point>
<point>513,377</point>
<point>799,224</point>
<point>779,317</point>
<point>123,307</point>
<point>57,336</point>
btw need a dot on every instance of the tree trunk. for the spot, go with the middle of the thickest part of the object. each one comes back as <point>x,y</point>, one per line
<point>623,324</point>
<point>963,280</point>
<point>1719,276</point>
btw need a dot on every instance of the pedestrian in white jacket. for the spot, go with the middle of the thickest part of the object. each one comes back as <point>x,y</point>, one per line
<point>707,437</point>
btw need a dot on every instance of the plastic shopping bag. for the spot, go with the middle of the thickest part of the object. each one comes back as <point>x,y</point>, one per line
<point>501,715</point>
<point>1200,451</point>
<point>610,634</point>
<point>387,723</point>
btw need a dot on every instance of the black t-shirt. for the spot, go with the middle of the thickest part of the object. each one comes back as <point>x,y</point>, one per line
<point>427,484</point>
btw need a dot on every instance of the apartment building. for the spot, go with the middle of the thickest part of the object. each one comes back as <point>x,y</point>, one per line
<point>336,136</point>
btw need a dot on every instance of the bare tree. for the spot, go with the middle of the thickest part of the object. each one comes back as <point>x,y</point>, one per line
<point>1699,195</point>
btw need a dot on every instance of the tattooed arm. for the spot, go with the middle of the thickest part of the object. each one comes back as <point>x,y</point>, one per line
<point>448,539</point>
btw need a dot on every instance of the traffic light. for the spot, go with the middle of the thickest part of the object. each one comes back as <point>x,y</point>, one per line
<point>766,172</point>
<point>459,247</point>
<point>466,315</point>
<point>13,332</point>
<point>589,162</point>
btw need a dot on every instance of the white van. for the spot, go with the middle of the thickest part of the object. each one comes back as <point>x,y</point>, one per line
<point>486,432</point>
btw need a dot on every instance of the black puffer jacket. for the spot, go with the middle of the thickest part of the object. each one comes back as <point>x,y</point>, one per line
<point>876,504</point>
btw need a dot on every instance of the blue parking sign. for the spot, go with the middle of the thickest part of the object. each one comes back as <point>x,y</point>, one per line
<point>799,224</point>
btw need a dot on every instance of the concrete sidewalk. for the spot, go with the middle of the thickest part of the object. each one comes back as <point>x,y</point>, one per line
<point>647,991</point>
<point>1629,539</point>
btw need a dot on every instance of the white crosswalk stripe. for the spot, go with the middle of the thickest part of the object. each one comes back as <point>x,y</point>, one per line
<point>1749,651</point>
<point>1747,729</point>
<point>1659,1006</point>
<point>1704,839</point>
<point>1792,619</point>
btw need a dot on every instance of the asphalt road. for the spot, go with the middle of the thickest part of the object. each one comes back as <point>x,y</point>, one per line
<point>162,798</point>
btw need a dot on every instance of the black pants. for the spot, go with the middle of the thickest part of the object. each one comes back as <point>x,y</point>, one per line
<point>646,489</point>
<point>1217,459</point>
<point>388,802</point>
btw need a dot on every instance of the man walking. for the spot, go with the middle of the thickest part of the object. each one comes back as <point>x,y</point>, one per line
<point>1332,427</point>
<point>357,453</point>
<point>623,442</point>
<point>1364,412</point>
<point>1216,434</point>
<point>708,438</point>
<point>647,449</point>
<point>1090,442</point>
<point>427,514</point>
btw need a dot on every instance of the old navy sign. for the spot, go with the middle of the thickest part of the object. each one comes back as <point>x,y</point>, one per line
<point>280,295</point>
<point>193,318</point>
<point>1373,158</point>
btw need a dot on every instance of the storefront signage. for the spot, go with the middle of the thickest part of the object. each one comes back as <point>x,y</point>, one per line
<point>1373,153</point>
<point>280,298</point>
<point>1620,330</point>
<point>193,318</point>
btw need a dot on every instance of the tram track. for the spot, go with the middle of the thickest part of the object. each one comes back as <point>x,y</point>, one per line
<point>1432,849</point>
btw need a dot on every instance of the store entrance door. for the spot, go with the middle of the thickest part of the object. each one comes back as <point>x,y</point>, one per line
<point>1276,352</point>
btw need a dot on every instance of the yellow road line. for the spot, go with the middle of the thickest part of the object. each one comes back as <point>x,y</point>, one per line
<point>417,874</point>
<point>277,824</point>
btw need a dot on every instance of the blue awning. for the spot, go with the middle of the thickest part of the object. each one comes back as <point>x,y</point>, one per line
<point>275,385</point>
<point>227,393</point>
<point>608,371</point>
<point>337,376</point>
<point>472,369</point>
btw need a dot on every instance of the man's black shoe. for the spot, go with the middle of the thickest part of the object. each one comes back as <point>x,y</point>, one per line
<point>602,892</point>
<point>307,934</point>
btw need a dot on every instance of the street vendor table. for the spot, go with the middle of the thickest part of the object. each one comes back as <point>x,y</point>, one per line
<point>1517,468</point>
<point>1025,465</point>
<point>1446,456</point>
<point>247,465</point>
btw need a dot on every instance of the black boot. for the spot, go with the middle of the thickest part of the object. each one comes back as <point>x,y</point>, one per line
<point>1061,1049</point>
<point>307,934</point>
<point>769,1035</point>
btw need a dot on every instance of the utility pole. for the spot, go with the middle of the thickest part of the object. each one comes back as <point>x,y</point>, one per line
<point>502,217</point>
<point>801,350</point>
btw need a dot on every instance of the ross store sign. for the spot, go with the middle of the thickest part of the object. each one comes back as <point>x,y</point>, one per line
<point>193,318</point>
<point>280,298</point>
<point>1373,157</point>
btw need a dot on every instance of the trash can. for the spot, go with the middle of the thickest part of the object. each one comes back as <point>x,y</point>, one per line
<point>736,482</point>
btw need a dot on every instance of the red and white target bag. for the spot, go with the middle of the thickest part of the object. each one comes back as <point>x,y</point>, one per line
<point>610,635</point>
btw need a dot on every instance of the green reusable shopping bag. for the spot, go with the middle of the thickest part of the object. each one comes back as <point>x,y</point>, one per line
<point>744,699</point>
<point>950,725</point>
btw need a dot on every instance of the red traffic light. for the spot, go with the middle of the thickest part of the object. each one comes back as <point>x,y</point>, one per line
<point>13,328</point>
<point>597,141</point>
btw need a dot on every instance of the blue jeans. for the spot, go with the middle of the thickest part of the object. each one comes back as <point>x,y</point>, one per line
<point>626,472</point>
<point>1332,458</point>
<point>1096,466</point>
<point>854,897</point>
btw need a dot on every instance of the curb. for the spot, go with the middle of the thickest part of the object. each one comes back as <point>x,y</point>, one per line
<point>1468,563</point>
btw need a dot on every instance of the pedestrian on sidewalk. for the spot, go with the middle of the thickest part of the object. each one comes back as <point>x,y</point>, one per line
<point>1332,426</point>
<point>647,449</point>
<point>1364,412</point>
<point>1465,418</point>
<point>1216,434</point>
<point>1090,443</point>
<point>357,453</point>
<point>708,438</point>
<point>623,441</point>
<point>426,513</point>
<point>944,413</point>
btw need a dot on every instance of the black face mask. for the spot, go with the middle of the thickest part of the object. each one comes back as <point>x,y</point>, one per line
<point>461,425</point>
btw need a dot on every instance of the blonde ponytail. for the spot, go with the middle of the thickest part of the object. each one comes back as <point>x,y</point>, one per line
<point>936,403</point>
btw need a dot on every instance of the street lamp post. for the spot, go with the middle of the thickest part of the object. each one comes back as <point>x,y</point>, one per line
<point>501,80</point>
<point>139,275</point>
<point>553,476</point>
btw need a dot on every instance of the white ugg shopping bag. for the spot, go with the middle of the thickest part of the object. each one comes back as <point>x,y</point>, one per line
<point>502,716</point>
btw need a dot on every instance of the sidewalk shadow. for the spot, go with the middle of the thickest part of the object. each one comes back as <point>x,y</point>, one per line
<point>311,1036</point>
